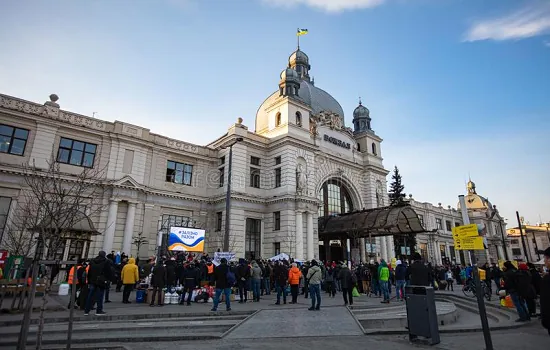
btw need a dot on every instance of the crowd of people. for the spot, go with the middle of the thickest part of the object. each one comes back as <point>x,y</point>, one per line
<point>256,278</point>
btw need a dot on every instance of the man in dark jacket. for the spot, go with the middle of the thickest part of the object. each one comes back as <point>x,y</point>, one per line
<point>512,288</point>
<point>545,294</point>
<point>280,277</point>
<point>222,285</point>
<point>243,275</point>
<point>158,281</point>
<point>400,280</point>
<point>98,275</point>
<point>190,280</point>
<point>420,273</point>
<point>347,284</point>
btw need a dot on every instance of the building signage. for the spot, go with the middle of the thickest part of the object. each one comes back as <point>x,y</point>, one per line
<point>337,142</point>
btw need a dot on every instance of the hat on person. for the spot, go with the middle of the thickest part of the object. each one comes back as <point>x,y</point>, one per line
<point>523,266</point>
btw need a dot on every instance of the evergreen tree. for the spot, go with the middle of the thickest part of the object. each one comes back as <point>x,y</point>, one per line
<point>396,188</point>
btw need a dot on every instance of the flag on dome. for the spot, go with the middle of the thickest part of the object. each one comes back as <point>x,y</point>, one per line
<point>301,32</point>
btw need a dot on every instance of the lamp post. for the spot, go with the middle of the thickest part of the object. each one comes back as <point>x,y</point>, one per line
<point>503,240</point>
<point>522,238</point>
<point>228,195</point>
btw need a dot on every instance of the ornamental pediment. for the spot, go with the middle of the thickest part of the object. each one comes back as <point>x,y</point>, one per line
<point>330,120</point>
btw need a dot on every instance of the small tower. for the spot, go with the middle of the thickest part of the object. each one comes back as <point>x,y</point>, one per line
<point>471,187</point>
<point>361,119</point>
<point>289,84</point>
<point>299,61</point>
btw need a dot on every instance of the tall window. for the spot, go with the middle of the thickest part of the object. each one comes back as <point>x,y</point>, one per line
<point>252,238</point>
<point>277,248</point>
<point>278,177</point>
<point>13,140</point>
<point>421,218</point>
<point>175,221</point>
<point>449,225</point>
<point>222,160</point>
<point>277,221</point>
<point>374,149</point>
<point>219,220</point>
<point>179,173</point>
<point>278,160</point>
<point>278,119</point>
<point>298,118</point>
<point>76,153</point>
<point>438,224</point>
<point>222,176</point>
<point>76,248</point>
<point>254,160</point>
<point>335,198</point>
<point>255,177</point>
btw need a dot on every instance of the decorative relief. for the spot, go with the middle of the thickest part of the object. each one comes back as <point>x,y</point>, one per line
<point>332,120</point>
<point>182,146</point>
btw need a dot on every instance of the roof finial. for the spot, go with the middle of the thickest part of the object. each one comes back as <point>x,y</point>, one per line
<point>360,103</point>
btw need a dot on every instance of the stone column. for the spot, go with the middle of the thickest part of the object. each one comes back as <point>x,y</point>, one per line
<point>448,251</point>
<point>309,237</point>
<point>299,236</point>
<point>501,255</point>
<point>129,229</point>
<point>362,249</point>
<point>262,236</point>
<point>390,248</point>
<point>110,226</point>
<point>383,251</point>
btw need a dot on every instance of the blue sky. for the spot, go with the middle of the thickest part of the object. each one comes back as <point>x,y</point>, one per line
<point>454,87</point>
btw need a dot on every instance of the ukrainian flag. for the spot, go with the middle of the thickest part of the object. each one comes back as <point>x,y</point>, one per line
<point>301,32</point>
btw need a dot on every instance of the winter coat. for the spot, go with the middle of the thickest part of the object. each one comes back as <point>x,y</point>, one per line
<point>419,274</point>
<point>545,302</point>
<point>400,272</point>
<point>130,273</point>
<point>280,275</point>
<point>170,272</point>
<point>220,275</point>
<point>524,286</point>
<point>345,278</point>
<point>256,272</point>
<point>294,275</point>
<point>329,275</point>
<point>191,277</point>
<point>99,272</point>
<point>243,273</point>
<point>384,272</point>
<point>314,275</point>
<point>159,276</point>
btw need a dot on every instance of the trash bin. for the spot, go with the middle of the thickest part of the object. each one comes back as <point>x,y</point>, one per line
<point>421,314</point>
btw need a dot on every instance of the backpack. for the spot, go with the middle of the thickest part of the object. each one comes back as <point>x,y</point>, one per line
<point>353,278</point>
<point>231,279</point>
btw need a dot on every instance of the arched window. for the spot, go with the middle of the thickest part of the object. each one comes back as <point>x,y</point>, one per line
<point>358,147</point>
<point>298,118</point>
<point>278,119</point>
<point>335,199</point>
<point>374,148</point>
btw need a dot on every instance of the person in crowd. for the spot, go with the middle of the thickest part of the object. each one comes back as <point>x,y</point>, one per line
<point>171,273</point>
<point>400,280</point>
<point>384,277</point>
<point>158,281</point>
<point>449,278</point>
<point>314,278</point>
<point>512,288</point>
<point>210,273</point>
<point>243,275</point>
<point>367,280</point>
<point>526,290</point>
<point>329,281</point>
<point>337,276</point>
<point>420,274</point>
<point>305,288</point>
<point>224,281</point>
<point>130,276</point>
<point>267,278</point>
<point>536,280</point>
<point>545,293</point>
<point>496,274</point>
<point>191,279</point>
<point>256,278</point>
<point>375,280</point>
<point>98,275</point>
<point>280,277</point>
<point>294,275</point>
<point>74,282</point>
<point>346,281</point>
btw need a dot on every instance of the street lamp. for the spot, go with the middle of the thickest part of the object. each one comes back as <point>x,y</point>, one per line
<point>228,194</point>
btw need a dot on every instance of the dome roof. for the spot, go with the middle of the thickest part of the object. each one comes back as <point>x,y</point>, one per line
<point>361,112</point>
<point>319,100</point>
<point>289,73</point>
<point>298,55</point>
<point>473,200</point>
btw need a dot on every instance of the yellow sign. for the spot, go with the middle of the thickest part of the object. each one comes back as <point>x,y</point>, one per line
<point>469,243</point>
<point>465,231</point>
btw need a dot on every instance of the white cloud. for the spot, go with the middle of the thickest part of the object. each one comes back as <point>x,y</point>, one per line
<point>331,6</point>
<point>547,43</point>
<point>524,23</point>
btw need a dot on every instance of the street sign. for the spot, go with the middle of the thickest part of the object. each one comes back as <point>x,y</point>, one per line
<point>465,231</point>
<point>469,243</point>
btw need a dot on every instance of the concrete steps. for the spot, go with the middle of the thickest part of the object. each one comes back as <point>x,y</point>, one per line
<point>127,328</point>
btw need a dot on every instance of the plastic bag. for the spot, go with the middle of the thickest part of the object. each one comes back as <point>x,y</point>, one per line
<point>355,292</point>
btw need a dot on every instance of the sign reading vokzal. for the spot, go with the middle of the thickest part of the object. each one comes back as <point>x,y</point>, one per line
<point>336,142</point>
<point>186,239</point>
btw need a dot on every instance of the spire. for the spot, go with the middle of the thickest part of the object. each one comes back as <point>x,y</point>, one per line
<point>360,103</point>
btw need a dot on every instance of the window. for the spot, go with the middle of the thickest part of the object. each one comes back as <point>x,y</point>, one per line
<point>421,218</point>
<point>13,140</point>
<point>222,177</point>
<point>219,218</point>
<point>252,238</point>
<point>358,147</point>
<point>179,173</point>
<point>374,148</point>
<point>128,161</point>
<point>278,160</point>
<point>76,248</point>
<point>254,160</point>
<point>278,177</point>
<point>277,248</point>
<point>255,177</point>
<point>516,251</point>
<point>438,224</point>
<point>449,225</point>
<point>5,203</point>
<point>175,221</point>
<point>76,153</point>
<point>335,199</point>
<point>298,118</point>
<point>278,120</point>
<point>222,160</point>
<point>514,241</point>
<point>277,221</point>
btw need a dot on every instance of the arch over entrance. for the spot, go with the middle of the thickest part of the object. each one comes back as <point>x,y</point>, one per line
<point>334,198</point>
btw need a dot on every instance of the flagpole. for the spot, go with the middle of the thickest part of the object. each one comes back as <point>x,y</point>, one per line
<point>298,36</point>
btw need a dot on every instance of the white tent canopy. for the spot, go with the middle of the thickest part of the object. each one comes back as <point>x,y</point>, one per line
<point>541,262</point>
<point>281,256</point>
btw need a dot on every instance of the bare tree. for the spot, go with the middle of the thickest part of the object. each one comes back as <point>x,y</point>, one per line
<point>53,205</point>
<point>140,240</point>
<point>290,242</point>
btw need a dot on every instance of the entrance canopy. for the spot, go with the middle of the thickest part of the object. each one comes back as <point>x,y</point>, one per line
<point>372,222</point>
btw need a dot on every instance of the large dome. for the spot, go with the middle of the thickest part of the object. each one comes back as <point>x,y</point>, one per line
<point>319,100</point>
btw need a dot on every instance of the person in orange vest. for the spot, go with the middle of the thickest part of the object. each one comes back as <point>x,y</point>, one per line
<point>73,282</point>
<point>210,273</point>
